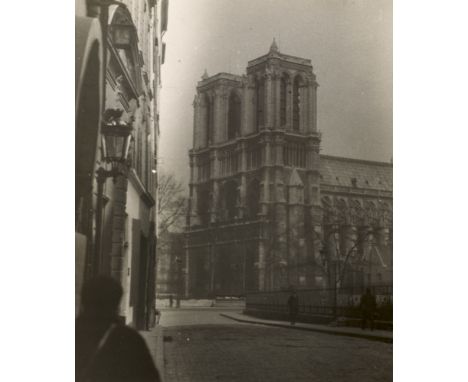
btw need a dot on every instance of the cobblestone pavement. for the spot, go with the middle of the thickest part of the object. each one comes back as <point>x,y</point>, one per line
<point>177,317</point>
<point>241,352</point>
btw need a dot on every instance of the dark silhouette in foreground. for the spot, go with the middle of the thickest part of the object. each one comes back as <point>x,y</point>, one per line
<point>106,350</point>
<point>293,305</point>
<point>368,306</point>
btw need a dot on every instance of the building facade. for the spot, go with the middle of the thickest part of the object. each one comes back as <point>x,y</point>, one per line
<point>88,102</point>
<point>266,210</point>
<point>133,54</point>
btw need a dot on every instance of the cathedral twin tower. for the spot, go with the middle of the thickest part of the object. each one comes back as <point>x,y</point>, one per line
<point>254,207</point>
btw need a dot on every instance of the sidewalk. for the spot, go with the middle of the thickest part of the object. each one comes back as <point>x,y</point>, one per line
<point>154,340</point>
<point>375,335</point>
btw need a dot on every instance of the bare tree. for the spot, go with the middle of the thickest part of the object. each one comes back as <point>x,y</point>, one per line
<point>341,254</point>
<point>171,203</point>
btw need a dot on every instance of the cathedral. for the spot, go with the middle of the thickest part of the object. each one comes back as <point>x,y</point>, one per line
<point>267,211</point>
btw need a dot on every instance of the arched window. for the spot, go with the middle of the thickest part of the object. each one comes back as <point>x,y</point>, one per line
<point>356,212</point>
<point>342,211</point>
<point>283,98</point>
<point>203,205</point>
<point>296,103</point>
<point>234,116</point>
<point>259,103</point>
<point>209,122</point>
<point>253,198</point>
<point>371,213</point>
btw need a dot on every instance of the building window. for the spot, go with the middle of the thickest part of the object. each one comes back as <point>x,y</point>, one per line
<point>283,97</point>
<point>294,155</point>
<point>254,158</point>
<point>296,103</point>
<point>234,116</point>
<point>139,154</point>
<point>203,205</point>
<point>260,101</point>
<point>228,162</point>
<point>209,122</point>
<point>204,165</point>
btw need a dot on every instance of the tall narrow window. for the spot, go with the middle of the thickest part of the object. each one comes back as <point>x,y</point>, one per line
<point>139,152</point>
<point>203,205</point>
<point>234,116</point>
<point>283,97</point>
<point>209,122</point>
<point>296,103</point>
<point>260,100</point>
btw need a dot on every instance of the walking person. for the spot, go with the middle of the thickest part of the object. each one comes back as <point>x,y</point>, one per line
<point>368,306</point>
<point>171,300</point>
<point>106,350</point>
<point>293,305</point>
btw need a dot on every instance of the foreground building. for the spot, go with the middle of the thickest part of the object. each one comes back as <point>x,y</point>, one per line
<point>266,210</point>
<point>88,105</point>
<point>118,221</point>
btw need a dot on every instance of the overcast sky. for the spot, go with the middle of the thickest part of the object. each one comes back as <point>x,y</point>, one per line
<point>348,41</point>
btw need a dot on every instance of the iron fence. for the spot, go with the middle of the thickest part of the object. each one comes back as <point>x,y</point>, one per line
<point>324,302</point>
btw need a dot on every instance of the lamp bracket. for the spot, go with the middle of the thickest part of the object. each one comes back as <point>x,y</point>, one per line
<point>114,172</point>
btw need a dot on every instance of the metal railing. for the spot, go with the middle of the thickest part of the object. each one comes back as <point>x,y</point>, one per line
<point>322,302</point>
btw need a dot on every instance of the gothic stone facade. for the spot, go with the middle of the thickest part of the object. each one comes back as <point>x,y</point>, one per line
<point>266,210</point>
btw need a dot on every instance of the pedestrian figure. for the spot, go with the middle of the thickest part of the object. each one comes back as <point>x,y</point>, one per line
<point>157,315</point>
<point>171,300</point>
<point>368,306</point>
<point>293,305</point>
<point>106,350</point>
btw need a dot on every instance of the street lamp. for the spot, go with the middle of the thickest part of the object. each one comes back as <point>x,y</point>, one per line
<point>116,138</point>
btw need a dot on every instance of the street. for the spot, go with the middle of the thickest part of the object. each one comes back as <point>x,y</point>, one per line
<point>200,345</point>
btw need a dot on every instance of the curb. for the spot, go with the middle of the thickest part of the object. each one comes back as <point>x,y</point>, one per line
<point>368,336</point>
<point>154,341</point>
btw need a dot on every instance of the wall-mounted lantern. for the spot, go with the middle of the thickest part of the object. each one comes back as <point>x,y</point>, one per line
<point>116,137</point>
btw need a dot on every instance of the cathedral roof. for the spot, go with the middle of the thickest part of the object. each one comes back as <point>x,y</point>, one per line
<point>347,172</point>
<point>276,54</point>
